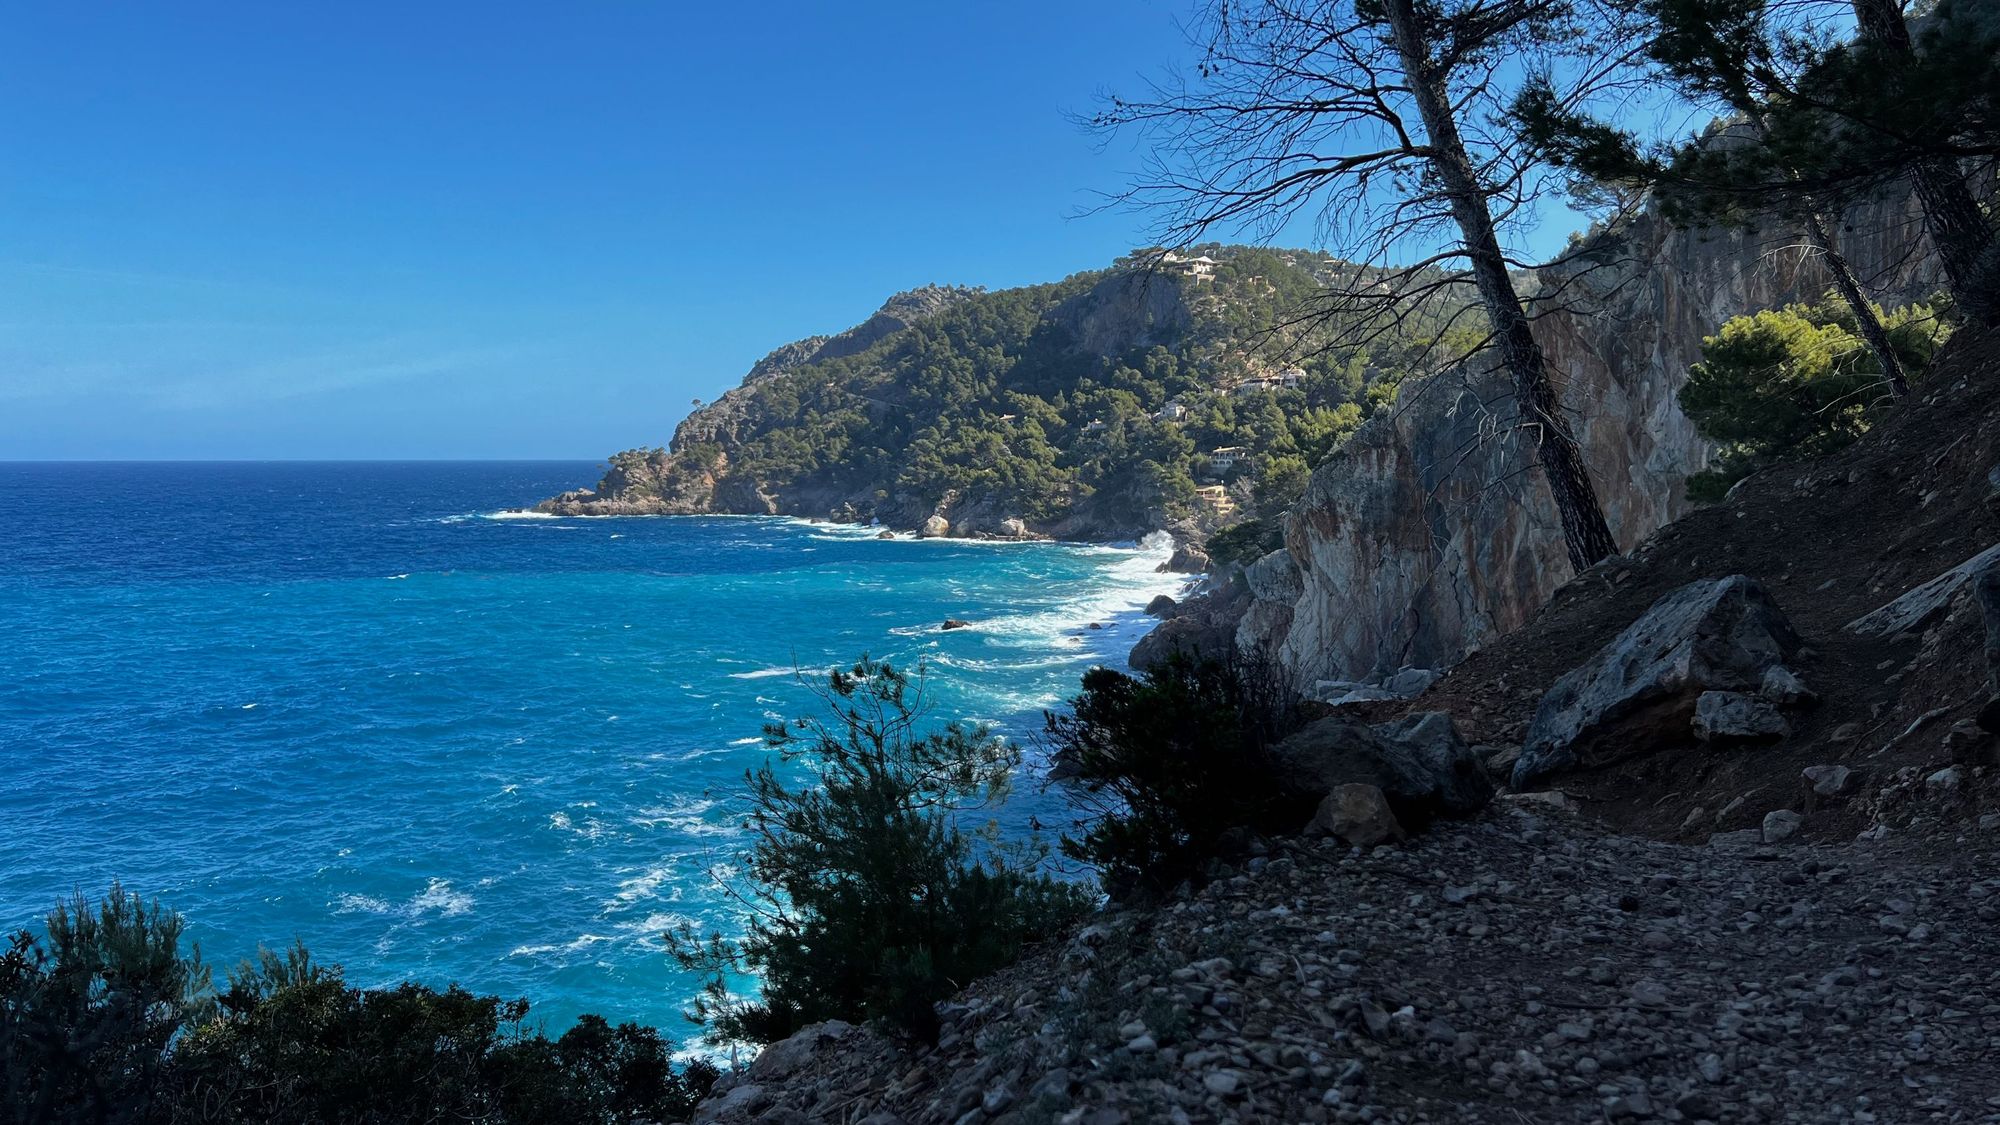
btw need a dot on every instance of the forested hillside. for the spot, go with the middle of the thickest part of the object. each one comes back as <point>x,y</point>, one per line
<point>1192,390</point>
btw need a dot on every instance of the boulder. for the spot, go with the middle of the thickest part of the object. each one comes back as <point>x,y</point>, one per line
<point>1203,626</point>
<point>1923,604</point>
<point>955,623</point>
<point>1013,528</point>
<point>1733,716</point>
<point>1783,687</point>
<point>1187,559</point>
<point>1162,607</point>
<point>1357,814</point>
<point>786,1057</point>
<point>885,535</point>
<point>1639,692</point>
<point>1828,781</point>
<point>1986,595</point>
<point>1781,824</point>
<point>1418,762</point>
<point>936,527</point>
<point>1411,682</point>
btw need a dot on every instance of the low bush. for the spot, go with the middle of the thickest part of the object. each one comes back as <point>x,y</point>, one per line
<point>104,1019</point>
<point>871,899</point>
<point>1794,382</point>
<point>1243,543</point>
<point>1173,766</point>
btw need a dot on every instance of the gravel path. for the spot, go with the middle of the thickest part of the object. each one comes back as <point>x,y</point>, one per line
<point>1524,967</point>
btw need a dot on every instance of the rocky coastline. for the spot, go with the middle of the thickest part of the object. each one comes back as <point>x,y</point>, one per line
<point>1713,838</point>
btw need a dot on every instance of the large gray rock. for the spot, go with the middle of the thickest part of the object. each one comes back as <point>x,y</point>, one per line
<point>1986,596</point>
<point>786,1057</point>
<point>1926,603</point>
<point>1419,763</point>
<point>936,527</point>
<point>1639,692</point>
<point>1357,814</point>
<point>1734,716</point>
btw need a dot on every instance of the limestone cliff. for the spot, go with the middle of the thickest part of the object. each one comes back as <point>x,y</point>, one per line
<point>1432,531</point>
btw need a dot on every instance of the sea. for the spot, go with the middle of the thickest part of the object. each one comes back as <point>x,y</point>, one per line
<point>376,708</point>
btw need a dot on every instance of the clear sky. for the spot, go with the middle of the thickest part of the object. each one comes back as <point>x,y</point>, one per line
<point>256,230</point>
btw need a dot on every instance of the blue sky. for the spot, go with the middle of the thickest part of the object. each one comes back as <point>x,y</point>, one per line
<point>253,230</point>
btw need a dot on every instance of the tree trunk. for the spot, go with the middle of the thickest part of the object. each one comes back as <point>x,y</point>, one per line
<point>1849,288</point>
<point>1585,532</point>
<point>1960,234</point>
<point>1844,282</point>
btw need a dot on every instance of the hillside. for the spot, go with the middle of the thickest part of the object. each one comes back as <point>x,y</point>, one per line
<point>1090,408</point>
<point>1791,926</point>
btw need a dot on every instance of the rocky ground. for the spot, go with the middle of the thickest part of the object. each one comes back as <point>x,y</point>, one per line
<point>1522,967</point>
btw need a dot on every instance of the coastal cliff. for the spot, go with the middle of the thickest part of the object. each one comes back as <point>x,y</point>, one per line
<point>1431,532</point>
<point>1161,393</point>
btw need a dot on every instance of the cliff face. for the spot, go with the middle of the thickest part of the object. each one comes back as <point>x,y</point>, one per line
<point>1432,532</point>
<point>1083,326</point>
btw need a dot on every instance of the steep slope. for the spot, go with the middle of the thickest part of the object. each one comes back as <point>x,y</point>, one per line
<point>1432,533</point>
<point>1832,540</point>
<point>1090,408</point>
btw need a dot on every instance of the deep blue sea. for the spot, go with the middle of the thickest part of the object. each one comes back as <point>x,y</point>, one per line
<point>361,705</point>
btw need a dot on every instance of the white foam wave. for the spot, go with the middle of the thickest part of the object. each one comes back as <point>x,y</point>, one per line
<point>517,514</point>
<point>360,904</point>
<point>688,815</point>
<point>438,897</point>
<point>762,673</point>
<point>575,945</point>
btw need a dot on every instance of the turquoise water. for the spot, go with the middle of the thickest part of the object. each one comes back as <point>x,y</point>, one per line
<point>360,705</point>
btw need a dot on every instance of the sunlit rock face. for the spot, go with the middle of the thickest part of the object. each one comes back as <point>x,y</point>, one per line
<point>1433,532</point>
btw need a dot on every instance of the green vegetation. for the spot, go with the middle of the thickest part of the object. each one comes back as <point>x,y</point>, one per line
<point>1794,382</point>
<point>105,1019</point>
<point>1046,401</point>
<point>1241,544</point>
<point>1175,762</point>
<point>872,901</point>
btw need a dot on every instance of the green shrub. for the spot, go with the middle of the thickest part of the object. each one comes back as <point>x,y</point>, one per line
<point>87,1012</point>
<point>1243,543</point>
<point>872,902</point>
<point>105,1020</point>
<point>1794,382</point>
<point>1174,766</point>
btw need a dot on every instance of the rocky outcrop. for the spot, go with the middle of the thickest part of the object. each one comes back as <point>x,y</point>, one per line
<point>1187,559</point>
<point>648,483</point>
<point>1432,533</point>
<point>1203,626</point>
<point>1647,686</point>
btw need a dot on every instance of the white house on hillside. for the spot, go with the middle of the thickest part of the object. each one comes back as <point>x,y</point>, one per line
<point>1201,268</point>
